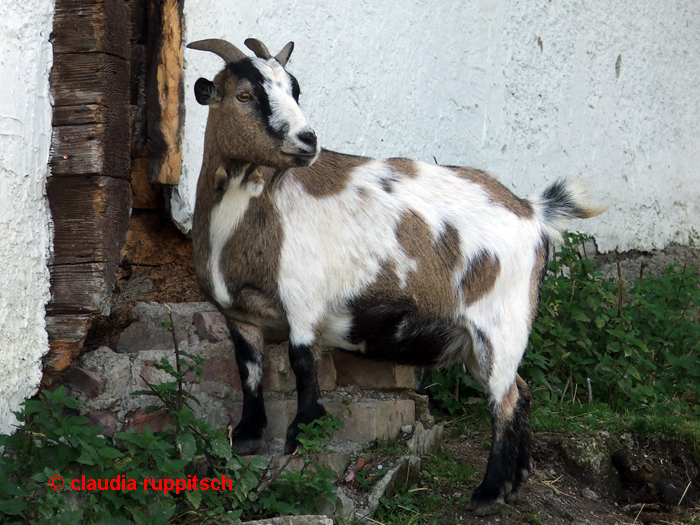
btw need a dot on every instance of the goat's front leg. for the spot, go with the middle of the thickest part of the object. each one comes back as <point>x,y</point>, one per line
<point>248,343</point>
<point>309,405</point>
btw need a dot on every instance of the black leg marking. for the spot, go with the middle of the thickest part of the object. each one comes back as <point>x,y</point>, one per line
<point>309,406</point>
<point>509,459</point>
<point>248,343</point>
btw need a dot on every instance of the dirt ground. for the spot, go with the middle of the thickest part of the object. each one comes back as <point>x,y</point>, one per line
<point>559,493</point>
<point>645,487</point>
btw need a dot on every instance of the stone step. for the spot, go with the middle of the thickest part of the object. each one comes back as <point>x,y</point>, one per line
<point>374,399</point>
<point>201,329</point>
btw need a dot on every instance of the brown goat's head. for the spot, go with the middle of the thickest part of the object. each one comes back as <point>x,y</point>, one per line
<point>254,113</point>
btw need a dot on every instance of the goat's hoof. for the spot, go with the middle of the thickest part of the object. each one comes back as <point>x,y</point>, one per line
<point>486,502</point>
<point>246,444</point>
<point>512,497</point>
<point>247,447</point>
<point>291,444</point>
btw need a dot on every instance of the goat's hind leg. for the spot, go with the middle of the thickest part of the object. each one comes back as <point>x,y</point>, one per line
<point>248,343</point>
<point>509,459</point>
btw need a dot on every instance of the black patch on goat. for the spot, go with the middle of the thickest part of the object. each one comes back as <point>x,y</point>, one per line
<point>248,433</point>
<point>296,90</point>
<point>393,332</point>
<point>559,202</point>
<point>309,406</point>
<point>509,459</point>
<point>245,69</point>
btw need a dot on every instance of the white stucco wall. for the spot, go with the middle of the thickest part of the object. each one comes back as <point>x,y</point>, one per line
<point>529,90</point>
<point>25,139</point>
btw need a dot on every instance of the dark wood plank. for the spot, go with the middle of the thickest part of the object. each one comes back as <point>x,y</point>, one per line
<point>67,328</point>
<point>82,288</point>
<point>164,90</point>
<point>91,218</point>
<point>78,115</point>
<point>92,26</point>
<point>90,78</point>
<point>91,149</point>
<point>139,21</point>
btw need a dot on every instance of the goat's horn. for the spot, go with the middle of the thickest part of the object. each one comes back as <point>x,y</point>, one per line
<point>283,56</point>
<point>257,47</point>
<point>225,50</point>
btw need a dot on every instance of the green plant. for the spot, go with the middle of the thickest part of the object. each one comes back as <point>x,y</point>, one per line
<point>53,439</point>
<point>594,340</point>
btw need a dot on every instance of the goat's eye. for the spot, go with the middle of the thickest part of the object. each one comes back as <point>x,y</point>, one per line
<point>244,97</point>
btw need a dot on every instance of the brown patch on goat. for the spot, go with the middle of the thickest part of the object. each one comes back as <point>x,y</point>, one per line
<point>497,192</point>
<point>538,273</point>
<point>258,303</point>
<point>480,277</point>
<point>329,175</point>
<point>505,408</point>
<point>249,261</point>
<point>251,257</point>
<point>406,167</point>
<point>253,335</point>
<point>430,287</point>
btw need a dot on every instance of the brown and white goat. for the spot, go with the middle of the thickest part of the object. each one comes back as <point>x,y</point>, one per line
<point>394,259</point>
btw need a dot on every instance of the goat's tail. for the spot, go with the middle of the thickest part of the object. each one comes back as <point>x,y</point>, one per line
<point>561,201</point>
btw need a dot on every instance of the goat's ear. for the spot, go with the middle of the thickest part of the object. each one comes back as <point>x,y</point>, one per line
<point>205,92</point>
<point>283,56</point>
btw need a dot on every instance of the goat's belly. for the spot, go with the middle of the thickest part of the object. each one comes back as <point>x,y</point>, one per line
<point>394,333</point>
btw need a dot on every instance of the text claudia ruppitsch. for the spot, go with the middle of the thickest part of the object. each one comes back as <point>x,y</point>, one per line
<point>163,484</point>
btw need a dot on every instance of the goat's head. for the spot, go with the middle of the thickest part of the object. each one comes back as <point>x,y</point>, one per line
<point>254,113</point>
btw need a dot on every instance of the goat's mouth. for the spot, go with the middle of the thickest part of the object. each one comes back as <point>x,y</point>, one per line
<point>301,158</point>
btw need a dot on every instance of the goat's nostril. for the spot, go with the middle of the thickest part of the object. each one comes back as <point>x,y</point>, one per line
<point>308,138</point>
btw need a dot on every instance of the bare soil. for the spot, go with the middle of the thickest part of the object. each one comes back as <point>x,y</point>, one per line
<point>645,490</point>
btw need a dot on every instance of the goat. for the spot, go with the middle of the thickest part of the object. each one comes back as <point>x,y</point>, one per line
<point>394,259</point>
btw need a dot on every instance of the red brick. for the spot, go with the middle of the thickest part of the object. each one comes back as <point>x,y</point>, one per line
<point>278,375</point>
<point>85,381</point>
<point>222,369</point>
<point>211,326</point>
<point>140,420</point>
<point>359,371</point>
<point>107,421</point>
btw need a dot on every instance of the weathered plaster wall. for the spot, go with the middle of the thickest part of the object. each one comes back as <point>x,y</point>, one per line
<point>529,90</point>
<point>25,139</point>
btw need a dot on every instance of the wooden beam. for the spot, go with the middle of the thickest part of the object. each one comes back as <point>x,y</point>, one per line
<point>82,289</point>
<point>91,149</point>
<point>91,217</point>
<point>88,192</point>
<point>90,78</point>
<point>164,90</point>
<point>81,26</point>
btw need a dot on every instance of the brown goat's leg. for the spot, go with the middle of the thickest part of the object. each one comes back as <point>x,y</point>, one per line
<point>509,459</point>
<point>309,405</point>
<point>248,343</point>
